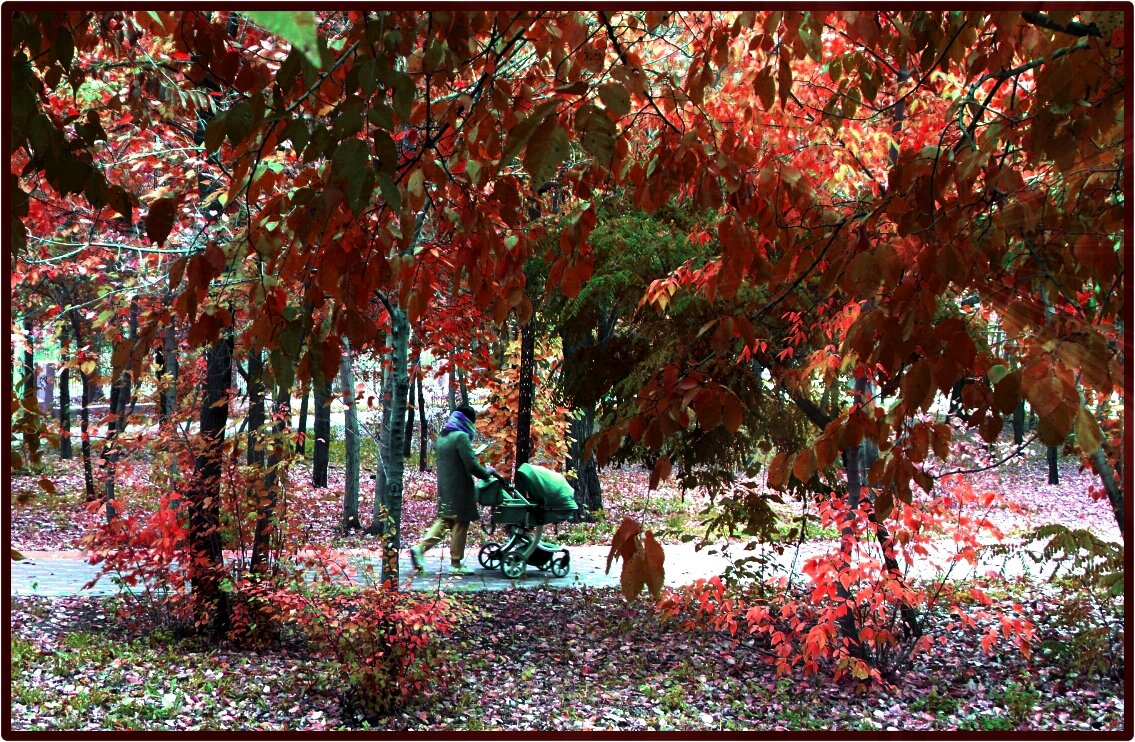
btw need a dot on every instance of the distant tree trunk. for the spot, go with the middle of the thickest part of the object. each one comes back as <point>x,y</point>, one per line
<point>1019,423</point>
<point>527,392</point>
<point>407,445</point>
<point>956,408</point>
<point>422,431</point>
<point>321,431</point>
<point>120,392</point>
<point>65,452</point>
<point>852,468</point>
<point>1053,461</point>
<point>301,438</point>
<point>214,607</point>
<point>462,387</point>
<point>392,435</point>
<point>351,439</point>
<point>84,413</point>
<point>266,517</point>
<point>255,408</point>
<point>30,403</point>
<point>169,375</point>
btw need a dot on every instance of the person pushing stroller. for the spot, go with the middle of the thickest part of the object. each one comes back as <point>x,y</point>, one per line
<point>456,499</point>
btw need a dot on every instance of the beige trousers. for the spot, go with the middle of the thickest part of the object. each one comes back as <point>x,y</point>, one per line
<point>456,543</point>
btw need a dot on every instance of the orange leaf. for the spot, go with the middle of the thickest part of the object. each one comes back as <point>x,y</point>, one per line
<point>778,471</point>
<point>805,465</point>
<point>624,542</point>
<point>660,471</point>
<point>654,557</point>
<point>633,577</point>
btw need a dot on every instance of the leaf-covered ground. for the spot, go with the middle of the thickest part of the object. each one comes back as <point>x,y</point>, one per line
<point>543,659</point>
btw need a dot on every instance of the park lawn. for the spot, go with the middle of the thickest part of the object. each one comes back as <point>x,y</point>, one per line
<point>547,659</point>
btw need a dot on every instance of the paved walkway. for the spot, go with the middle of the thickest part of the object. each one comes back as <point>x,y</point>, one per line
<point>65,573</point>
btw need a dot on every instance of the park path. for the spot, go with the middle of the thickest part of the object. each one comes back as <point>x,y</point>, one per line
<point>56,574</point>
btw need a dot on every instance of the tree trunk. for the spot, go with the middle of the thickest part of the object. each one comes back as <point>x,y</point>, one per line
<point>30,403</point>
<point>84,414</point>
<point>588,491</point>
<point>1019,423</point>
<point>321,431</point>
<point>169,376</point>
<point>462,387</point>
<point>452,390</point>
<point>255,408</point>
<point>351,439</point>
<point>527,392</point>
<point>119,395</point>
<point>65,452</point>
<point>390,448</point>
<point>266,517</point>
<point>422,430</point>
<point>301,439</point>
<point>1053,469</point>
<point>407,445</point>
<point>379,512</point>
<point>213,605</point>
<point>851,460</point>
<point>1114,491</point>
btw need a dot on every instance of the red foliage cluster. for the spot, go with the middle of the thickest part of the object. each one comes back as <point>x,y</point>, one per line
<point>851,587</point>
<point>383,642</point>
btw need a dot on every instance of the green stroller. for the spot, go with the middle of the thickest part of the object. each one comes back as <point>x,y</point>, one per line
<point>538,498</point>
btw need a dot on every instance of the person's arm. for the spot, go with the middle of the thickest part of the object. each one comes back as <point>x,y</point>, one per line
<point>469,459</point>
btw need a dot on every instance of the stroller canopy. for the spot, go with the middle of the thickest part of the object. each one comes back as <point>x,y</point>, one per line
<point>545,486</point>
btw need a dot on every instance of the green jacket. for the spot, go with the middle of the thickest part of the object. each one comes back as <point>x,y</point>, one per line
<point>456,467</point>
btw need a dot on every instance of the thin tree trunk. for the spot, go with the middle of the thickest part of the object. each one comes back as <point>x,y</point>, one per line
<point>392,436</point>
<point>1114,492</point>
<point>84,414</point>
<point>1053,468</point>
<point>301,439</point>
<point>31,402</point>
<point>255,408</point>
<point>321,431</point>
<point>351,439</point>
<point>65,452</point>
<point>380,513</point>
<point>266,516</point>
<point>407,445</point>
<point>422,430</point>
<point>851,463</point>
<point>119,396</point>
<point>1019,423</point>
<point>527,392</point>
<point>213,605</point>
<point>169,375</point>
<point>462,387</point>
<point>452,390</point>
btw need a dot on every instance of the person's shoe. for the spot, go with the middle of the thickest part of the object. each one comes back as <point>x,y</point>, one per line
<point>416,559</point>
<point>459,569</point>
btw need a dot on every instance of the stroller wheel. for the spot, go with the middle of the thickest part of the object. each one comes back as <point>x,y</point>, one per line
<point>513,565</point>
<point>490,556</point>
<point>561,565</point>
